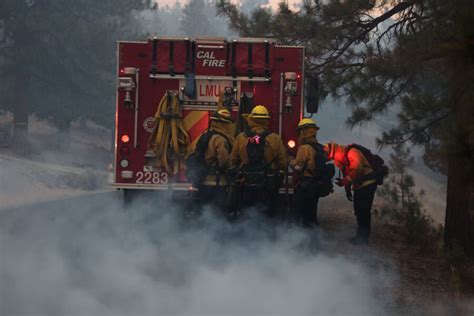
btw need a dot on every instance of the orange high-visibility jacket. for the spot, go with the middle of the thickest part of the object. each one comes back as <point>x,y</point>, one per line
<point>356,167</point>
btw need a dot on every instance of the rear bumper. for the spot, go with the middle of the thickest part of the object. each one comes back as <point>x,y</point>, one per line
<point>160,187</point>
<point>173,187</point>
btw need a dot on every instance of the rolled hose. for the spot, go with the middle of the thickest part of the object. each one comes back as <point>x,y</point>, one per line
<point>169,140</point>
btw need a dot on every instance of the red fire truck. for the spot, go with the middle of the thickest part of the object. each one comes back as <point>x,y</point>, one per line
<point>246,71</point>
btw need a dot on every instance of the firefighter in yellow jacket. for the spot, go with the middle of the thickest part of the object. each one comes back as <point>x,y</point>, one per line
<point>355,169</point>
<point>259,157</point>
<point>213,188</point>
<point>306,197</point>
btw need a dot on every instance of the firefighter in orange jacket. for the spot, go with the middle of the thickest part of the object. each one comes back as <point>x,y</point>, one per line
<point>355,168</point>
<point>259,157</point>
<point>305,199</point>
<point>213,189</point>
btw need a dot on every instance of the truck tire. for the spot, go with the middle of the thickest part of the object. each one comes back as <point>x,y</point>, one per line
<point>153,197</point>
<point>129,196</point>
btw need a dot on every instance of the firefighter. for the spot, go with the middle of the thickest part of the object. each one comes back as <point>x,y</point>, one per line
<point>258,158</point>
<point>213,188</point>
<point>306,196</point>
<point>355,169</point>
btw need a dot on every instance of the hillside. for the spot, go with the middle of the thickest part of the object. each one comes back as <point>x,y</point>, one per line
<point>50,171</point>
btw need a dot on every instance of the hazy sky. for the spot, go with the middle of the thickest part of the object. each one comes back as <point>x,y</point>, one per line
<point>272,2</point>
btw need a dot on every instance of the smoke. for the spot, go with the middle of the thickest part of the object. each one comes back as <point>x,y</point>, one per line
<point>89,256</point>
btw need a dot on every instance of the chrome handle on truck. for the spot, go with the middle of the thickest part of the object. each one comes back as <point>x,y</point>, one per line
<point>135,127</point>
<point>211,46</point>
<point>131,84</point>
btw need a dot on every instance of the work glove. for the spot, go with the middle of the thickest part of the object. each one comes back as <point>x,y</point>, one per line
<point>348,192</point>
<point>342,182</point>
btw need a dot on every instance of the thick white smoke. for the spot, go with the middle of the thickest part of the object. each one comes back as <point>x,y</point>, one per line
<point>90,257</point>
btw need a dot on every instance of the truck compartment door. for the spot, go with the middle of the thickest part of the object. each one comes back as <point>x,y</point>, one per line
<point>248,58</point>
<point>170,56</point>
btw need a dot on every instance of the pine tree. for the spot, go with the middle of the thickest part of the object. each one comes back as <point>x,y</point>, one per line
<point>16,65</point>
<point>400,201</point>
<point>409,56</point>
<point>60,56</point>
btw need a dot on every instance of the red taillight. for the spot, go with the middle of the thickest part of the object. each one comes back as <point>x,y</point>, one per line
<point>298,76</point>
<point>124,151</point>
<point>125,138</point>
<point>291,143</point>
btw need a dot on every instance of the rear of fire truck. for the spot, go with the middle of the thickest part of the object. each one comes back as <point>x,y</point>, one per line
<point>178,82</point>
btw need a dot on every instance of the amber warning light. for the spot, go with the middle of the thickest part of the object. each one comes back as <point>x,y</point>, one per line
<point>125,139</point>
<point>291,143</point>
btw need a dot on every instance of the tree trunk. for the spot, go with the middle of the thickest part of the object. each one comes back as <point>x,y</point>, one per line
<point>459,223</point>
<point>64,134</point>
<point>20,111</point>
<point>21,83</point>
<point>83,123</point>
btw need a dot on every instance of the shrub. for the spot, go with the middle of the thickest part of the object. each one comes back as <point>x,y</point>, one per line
<point>401,202</point>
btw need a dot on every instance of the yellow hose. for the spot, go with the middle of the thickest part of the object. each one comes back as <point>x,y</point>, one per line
<point>169,140</point>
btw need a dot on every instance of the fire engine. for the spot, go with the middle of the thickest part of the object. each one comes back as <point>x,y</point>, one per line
<point>200,73</point>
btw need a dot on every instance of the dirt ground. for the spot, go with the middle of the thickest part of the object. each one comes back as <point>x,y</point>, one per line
<point>428,282</point>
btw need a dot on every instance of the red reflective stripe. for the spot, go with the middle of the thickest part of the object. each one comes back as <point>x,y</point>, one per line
<point>196,130</point>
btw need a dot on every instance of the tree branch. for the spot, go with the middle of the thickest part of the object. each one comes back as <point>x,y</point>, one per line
<point>366,29</point>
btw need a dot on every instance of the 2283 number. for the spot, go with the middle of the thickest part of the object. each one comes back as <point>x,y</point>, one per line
<point>152,177</point>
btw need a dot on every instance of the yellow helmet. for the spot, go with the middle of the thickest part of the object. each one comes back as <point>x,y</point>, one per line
<point>222,116</point>
<point>306,122</point>
<point>260,112</point>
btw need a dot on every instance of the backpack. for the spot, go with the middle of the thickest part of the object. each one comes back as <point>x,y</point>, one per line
<point>196,166</point>
<point>324,172</point>
<point>255,170</point>
<point>380,170</point>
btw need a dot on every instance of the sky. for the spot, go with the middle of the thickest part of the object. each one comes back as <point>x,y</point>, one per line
<point>273,3</point>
